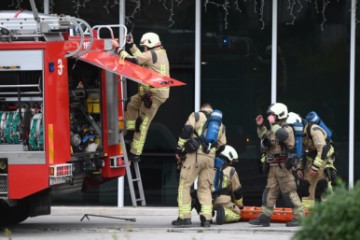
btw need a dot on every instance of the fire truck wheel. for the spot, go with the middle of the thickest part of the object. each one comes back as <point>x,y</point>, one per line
<point>15,214</point>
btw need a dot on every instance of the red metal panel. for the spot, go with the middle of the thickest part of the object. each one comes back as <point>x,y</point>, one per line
<point>56,100</point>
<point>56,109</point>
<point>25,180</point>
<point>74,41</point>
<point>22,45</point>
<point>129,70</point>
<point>110,150</point>
<point>107,172</point>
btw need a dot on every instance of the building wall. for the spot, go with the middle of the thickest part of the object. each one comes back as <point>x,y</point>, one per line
<point>313,75</point>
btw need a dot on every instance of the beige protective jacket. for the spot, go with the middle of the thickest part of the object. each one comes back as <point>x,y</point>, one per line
<point>155,59</point>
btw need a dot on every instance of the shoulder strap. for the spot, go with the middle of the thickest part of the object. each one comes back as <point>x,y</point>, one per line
<point>206,113</point>
<point>308,129</point>
<point>232,172</point>
<point>197,116</point>
<point>201,135</point>
<point>219,176</point>
<point>206,123</point>
<point>153,56</point>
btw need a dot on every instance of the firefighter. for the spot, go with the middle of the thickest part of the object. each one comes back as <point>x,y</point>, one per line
<point>318,161</point>
<point>295,121</point>
<point>277,142</point>
<point>228,198</point>
<point>196,160</point>
<point>142,107</point>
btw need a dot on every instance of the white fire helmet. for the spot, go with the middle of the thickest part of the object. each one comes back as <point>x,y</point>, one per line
<point>293,118</point>
<point>279,109</point>
<point>150,40</point>
<point>229,152</point>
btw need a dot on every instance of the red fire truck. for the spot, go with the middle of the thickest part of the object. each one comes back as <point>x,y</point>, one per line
<point>61,97</point>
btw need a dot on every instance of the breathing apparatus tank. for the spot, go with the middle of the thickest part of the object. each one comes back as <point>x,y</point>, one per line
<point>296,122</point>
<point>314,118</point>
<point>298,132</point>
<point>214,123</point>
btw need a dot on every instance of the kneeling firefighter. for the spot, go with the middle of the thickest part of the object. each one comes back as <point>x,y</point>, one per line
<point>228,197</point>
<point>201,136</point>
<point>278,143</point>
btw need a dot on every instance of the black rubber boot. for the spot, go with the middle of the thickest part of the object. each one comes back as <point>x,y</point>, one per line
<point>204,222</point>
<point>220,214</point>
<point>293,223</point>
<point>262,220</point>
<point>134,158</point>
<point>181,222</point>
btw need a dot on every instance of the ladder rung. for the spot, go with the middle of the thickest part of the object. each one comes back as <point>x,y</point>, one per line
<point>131,180</point>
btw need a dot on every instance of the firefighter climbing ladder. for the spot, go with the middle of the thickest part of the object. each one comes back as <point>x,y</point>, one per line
<point>130,178</point>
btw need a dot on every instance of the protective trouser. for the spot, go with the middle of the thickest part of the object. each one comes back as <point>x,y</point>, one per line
<point>136,111</point>
<point>229,200</point>
<point>281,181</point>
<point>309,201</point>
<point>232,212</point>
<point>201,166</point>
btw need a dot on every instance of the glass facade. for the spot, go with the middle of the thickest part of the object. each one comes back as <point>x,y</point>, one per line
<point>313,72</point>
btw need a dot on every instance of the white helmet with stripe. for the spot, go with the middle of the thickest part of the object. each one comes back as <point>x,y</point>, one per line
<point>279,109</point>
<point>229,153</point>
<point>150,40</point>
<point>293,118</point>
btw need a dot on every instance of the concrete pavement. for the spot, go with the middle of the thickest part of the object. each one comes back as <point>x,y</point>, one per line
<point>149,223</point>
<point>156,218</point>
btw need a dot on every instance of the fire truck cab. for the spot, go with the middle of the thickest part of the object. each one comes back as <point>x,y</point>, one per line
<point>61,108</point>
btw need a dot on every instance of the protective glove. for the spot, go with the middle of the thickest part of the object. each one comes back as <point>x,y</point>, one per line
<point>317,163</point>
<point>266,142</point>
<point>330,172</point>
<point>129,38</point>
<point>259,120</point>
<point>147,99</point>
<point>179,150</point>
<point>303,187</point>
<point>291,161</point>
<point>180,157</point>
<point>265,167</point>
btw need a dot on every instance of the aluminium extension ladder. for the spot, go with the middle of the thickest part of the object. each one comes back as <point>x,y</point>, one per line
<point>130,178</point>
